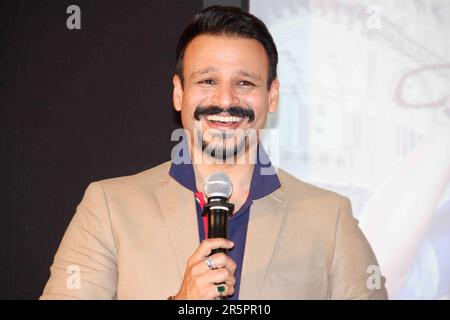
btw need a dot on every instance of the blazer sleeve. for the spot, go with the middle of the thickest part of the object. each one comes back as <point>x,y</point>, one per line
<point>355,273</point>
<point>84,266</point>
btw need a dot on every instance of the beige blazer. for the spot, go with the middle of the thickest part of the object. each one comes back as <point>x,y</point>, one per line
<point>131,237</point>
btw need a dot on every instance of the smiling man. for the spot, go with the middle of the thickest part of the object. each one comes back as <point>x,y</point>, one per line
<point>144,236</point>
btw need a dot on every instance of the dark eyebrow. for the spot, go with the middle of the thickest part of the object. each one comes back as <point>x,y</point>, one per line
<point>240,72</point>
<point>249,74</point>
<point>204,70</point>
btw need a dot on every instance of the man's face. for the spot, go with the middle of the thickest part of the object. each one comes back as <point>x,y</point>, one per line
<point>224,89</point>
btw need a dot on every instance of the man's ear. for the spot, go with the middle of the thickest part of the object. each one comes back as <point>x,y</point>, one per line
<point>177,92</point>
<point>274,93</point>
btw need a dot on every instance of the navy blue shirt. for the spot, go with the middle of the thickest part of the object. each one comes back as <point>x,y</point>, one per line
<point>262,184</point>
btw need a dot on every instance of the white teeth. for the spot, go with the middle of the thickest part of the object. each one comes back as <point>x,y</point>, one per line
<point>223,119</point>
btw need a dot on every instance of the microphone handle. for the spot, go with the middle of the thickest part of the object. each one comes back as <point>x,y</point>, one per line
<point>218,212</point>
<point>217,224</point>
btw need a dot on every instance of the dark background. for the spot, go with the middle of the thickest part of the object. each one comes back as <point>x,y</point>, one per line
<point>77,106</point>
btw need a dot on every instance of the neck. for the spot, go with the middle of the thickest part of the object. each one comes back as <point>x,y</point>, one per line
<point>240,172</point>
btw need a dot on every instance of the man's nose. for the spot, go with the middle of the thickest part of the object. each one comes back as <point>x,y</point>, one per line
<point>225,96</point>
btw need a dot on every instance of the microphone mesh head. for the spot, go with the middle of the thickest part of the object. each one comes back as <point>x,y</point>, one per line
<point>218,185</point>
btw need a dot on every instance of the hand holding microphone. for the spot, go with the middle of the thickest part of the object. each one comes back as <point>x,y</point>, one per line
<point>210,272</point>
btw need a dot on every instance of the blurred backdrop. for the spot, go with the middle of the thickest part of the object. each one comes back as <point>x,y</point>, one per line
<point>77,106</point>
<point>365,111</point>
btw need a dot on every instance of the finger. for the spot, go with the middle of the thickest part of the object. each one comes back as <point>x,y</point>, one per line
<point>216,276</point>
<point>231,282</point>
<point>220,290</point>
<point>224,261</point>
<point>201,267</point>
<point>221,260</point>
<point>208,245</point>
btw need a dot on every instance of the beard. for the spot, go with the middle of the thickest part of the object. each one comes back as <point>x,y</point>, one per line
<point>222,146</point>
<point>226,148</point>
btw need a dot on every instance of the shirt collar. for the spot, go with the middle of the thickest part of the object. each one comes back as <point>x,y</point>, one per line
<point>264,179</point>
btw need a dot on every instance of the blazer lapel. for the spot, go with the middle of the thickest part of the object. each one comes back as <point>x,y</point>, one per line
<point>178,208</point>
<point>266,219</point>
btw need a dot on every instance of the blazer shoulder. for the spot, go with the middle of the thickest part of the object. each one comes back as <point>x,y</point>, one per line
<point>147,179</point>
<point>298,190</point>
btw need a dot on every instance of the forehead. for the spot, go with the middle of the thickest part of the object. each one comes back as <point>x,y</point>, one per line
<point>225,54</point>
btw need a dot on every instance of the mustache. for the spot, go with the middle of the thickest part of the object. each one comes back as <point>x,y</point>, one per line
<point>235,111</point>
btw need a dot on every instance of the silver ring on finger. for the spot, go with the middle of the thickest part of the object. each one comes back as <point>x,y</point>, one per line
<point>210,263</point>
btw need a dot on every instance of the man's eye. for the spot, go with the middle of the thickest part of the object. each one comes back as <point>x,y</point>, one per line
<point>246,83</point>
<point>207,81</point>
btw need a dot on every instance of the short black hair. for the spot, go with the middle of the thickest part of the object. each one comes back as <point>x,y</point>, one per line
<point>228,21</point>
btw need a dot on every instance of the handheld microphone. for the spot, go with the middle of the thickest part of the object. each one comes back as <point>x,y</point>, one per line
<point>217,189</point>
